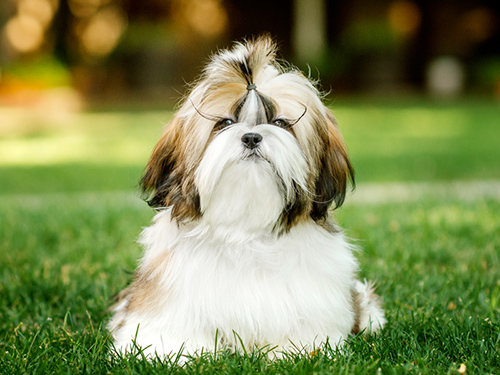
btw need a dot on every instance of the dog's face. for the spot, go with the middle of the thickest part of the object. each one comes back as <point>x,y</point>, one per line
<point>252,147</point>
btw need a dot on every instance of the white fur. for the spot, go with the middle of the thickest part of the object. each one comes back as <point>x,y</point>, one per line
<point>290,291</point>
<point>229,276</point>
<point>371,313</point>
<point>243,196</point>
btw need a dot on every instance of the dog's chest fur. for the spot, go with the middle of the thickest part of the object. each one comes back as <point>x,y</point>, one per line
<point>271,291</point>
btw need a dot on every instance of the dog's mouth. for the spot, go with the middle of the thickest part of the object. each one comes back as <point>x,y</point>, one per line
<point>254,154</point>
<point>251,154</point>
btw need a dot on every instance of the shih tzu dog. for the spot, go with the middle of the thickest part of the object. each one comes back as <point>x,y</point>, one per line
<point>242,253</point>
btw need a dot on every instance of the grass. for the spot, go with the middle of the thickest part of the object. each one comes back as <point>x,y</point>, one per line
<point>69,218</point>
<point>422,141</point>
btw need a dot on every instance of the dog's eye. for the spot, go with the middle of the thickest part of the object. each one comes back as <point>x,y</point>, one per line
<point>281,123</point>
<point>224,122</point>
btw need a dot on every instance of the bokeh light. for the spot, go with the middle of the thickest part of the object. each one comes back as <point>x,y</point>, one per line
<point>24,33</point>
<point>479,24</point>
<point>108,47</point>
<point>100,34</point>
<point>84,8</point>
<point>404,17</point>
<point>41,10</point>
<point>206,17</point>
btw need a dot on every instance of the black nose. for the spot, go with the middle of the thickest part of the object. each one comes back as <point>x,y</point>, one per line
<point>251,140</point>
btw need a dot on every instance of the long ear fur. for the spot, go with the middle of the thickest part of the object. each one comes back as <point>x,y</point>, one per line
<point>335,173</point>
<point>167,181</point>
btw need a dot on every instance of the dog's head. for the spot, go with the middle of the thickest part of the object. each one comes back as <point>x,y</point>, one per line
<point>251,146</point>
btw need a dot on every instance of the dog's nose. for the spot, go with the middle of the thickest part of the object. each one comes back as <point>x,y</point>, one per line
<point>251,140</point>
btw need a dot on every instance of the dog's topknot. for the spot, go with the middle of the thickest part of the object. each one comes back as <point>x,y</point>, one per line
<point>243,63</point>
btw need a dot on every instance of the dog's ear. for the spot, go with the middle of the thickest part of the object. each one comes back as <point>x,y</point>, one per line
<point>166,182</point>
<point>335,172</point>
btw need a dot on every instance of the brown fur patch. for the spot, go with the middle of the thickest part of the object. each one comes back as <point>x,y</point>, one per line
<point>356,306</point>
<point>145,289</point>
<point>335,173</point>
<point>167,181</point>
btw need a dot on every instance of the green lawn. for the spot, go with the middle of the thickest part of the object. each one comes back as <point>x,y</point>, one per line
<point>69,217</point>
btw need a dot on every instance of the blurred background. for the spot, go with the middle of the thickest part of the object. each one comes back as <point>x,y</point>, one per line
<point>85,52</point>
<point>87,85</point>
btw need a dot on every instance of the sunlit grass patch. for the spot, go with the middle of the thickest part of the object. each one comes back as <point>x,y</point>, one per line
<point>422,141</point>
<point>99,138</point>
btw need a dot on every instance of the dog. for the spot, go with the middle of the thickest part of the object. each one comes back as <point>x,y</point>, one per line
<point>242,253</point>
